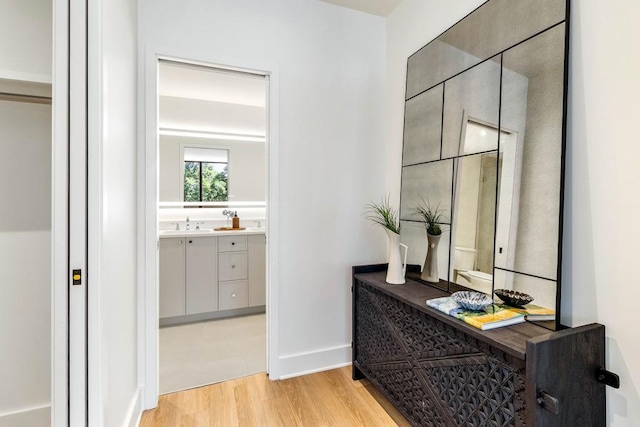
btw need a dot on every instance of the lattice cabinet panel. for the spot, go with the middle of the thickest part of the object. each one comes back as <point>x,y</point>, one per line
<point>439,371</point>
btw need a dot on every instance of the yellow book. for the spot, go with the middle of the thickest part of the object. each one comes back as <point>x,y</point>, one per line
<point>533,312</point>
<point>491,317</point>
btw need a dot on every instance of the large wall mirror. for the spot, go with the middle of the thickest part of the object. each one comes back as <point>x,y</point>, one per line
<point>211,136</point>
<point>484,137</point>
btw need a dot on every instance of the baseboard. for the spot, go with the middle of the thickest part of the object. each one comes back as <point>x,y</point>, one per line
<point>295,365</point>
<point>200,317</point>
<point>134,414</point>
<point>39,416</point>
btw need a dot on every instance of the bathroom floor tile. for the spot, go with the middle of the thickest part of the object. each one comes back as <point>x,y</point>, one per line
<point>210,352</point>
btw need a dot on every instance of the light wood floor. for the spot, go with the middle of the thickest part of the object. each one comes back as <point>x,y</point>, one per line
<point>328,398</point>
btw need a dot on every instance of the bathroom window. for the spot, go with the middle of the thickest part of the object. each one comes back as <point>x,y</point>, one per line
<point>206,175</point>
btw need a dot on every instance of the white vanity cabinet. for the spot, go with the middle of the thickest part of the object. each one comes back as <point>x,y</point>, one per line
<point>206,277</point>
<point>172,277</point>
<point>201,274</point>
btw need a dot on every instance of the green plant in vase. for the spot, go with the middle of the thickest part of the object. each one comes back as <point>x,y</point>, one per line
<point>388,217</point>
<point>432,219</point>
<point>384,214</point>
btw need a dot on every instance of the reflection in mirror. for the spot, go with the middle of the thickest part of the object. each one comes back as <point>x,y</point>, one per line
<point>543,291</point>
<point>474,94</point>
<point>490,29</point>
<point>430,182</point>
<point>201,111</point>
<point>529,199</point>
<point>205,175</point>
<point>422,127</point>
<point>474,219</point>
<point>413,235</point>
<point>245,171</point>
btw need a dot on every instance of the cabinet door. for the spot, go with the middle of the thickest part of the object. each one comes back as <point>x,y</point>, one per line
<point>561,370</point>
<point>233,266</point>
<point>202,275</point>
<point>257,270</point>
<point>172,284</point>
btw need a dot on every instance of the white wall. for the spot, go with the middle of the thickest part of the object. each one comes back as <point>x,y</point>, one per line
<point>209,116</point>
<point>601,231</point>
<point>331,68</point>
<point>25,215</point>
<point>25,254</point>
<point>113,139</point>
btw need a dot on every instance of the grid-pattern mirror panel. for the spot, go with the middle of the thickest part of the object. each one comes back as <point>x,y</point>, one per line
<point>494,161</point>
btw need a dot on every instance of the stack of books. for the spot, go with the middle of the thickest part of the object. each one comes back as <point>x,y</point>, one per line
<point>491,317</point>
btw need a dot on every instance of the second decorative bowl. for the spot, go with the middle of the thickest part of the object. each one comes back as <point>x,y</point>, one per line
<point>513,298</point>
<point>472,300</point>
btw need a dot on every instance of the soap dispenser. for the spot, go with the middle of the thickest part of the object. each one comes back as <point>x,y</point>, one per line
<point>235,220</point>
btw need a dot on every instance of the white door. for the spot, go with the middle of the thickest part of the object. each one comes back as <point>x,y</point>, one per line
<point>78,213</point>
<point>69,228</point>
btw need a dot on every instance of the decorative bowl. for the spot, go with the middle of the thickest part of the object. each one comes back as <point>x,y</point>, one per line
<point>513,298</point>
<point>472,300</point>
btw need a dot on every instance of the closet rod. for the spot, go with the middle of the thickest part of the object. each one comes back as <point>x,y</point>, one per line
<point>14,97</point>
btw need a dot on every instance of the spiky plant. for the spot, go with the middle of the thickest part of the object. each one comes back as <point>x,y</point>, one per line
<point>431,217</point>
<point>384,214</point>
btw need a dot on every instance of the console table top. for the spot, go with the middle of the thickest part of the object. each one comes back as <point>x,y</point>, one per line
<point>510,339</point>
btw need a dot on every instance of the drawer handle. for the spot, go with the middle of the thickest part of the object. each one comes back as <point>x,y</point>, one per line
<point>233,266</point>
<point>233,295</point>
<point>233,243</point>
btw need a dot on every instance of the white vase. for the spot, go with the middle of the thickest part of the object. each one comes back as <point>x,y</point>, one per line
<point>430,268</point>
<point>397,268</point>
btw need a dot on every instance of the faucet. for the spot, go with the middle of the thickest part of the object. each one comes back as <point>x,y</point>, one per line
<point>187,226</point>
<point>228,213</point>
<point>259,223</point>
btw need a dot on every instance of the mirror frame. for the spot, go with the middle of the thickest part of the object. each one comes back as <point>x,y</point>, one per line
<point>411,94</point>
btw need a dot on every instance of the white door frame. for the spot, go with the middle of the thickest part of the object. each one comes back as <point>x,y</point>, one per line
<point>147,207</point>
<point>59,214</point>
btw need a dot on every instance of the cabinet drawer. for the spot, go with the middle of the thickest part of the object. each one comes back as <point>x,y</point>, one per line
<point>232,266</point>
<point>232,243</point>
<point>233,294</point>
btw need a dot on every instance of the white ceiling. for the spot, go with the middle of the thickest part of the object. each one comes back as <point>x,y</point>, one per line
<point>209,84</point>
<point>375,7</point>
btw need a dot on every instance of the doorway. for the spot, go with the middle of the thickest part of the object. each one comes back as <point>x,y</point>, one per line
<point>212,156</point>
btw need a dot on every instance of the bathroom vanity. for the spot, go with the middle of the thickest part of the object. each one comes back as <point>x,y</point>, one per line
<point>208,275</point>
<point>440,371</point>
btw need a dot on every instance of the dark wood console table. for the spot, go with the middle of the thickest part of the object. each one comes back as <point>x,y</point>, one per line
<point>439,371</point>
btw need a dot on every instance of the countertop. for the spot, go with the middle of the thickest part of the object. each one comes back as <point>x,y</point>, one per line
<point>164,234</point>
